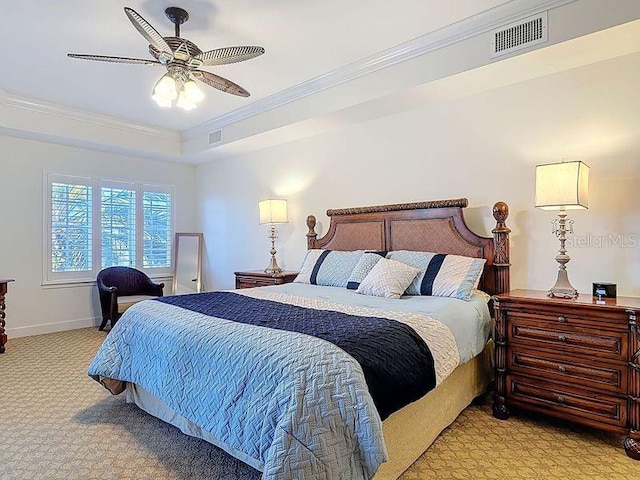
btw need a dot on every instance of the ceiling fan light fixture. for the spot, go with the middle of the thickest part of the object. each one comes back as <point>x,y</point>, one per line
<point>192,93</point>
<point>162,102</point>
<point>184,102</point>
<point>165,89</point>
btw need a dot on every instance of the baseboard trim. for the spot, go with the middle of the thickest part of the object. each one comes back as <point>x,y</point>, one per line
<point>44,328</point>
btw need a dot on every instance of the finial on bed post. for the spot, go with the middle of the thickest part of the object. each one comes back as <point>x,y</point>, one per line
<point>501,261</point>
<point>311,234</point>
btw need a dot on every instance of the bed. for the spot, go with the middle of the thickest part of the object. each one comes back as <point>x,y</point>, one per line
<point>339,430</point>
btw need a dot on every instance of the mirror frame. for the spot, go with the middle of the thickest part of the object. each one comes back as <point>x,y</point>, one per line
<point>176,242</point>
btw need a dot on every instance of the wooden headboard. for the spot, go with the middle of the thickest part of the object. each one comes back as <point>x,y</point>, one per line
<point>435,226</point>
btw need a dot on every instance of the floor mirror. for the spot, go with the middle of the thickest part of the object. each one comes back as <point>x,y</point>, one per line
<point>187,266</point>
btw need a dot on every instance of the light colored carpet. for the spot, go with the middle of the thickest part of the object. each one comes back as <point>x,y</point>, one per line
<point>55,422</point>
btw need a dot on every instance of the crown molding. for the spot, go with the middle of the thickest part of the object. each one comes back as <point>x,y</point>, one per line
<point>83,116</point>
<point>34,119</point>
<point>470,27</point>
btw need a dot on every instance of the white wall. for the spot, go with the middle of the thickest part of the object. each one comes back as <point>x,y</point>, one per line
<point>32,309</point>
<point>482,146</point>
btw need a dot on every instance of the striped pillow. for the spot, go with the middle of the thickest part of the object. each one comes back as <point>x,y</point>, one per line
<point>367,261</point>
<point>328,267</point>
<point>442,275</point>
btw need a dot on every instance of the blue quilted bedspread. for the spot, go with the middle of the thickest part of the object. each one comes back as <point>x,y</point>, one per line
<point>287,399</point>
<point>397,364</point>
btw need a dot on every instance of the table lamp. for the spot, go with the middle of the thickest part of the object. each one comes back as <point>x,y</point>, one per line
<point>273,211</point>
<point>562,186</point>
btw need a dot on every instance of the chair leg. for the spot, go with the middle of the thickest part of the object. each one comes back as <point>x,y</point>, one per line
<point>104,323</point>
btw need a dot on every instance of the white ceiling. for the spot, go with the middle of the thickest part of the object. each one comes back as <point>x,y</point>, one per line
<point>303,40</point>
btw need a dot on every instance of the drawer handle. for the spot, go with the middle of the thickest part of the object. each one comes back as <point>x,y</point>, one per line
<point>562,338</point>
<point>560,398</point>
<point>561,368</point>
<point>562,319</point>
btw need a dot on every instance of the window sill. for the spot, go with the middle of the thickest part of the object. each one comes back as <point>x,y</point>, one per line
<point>54,284</point>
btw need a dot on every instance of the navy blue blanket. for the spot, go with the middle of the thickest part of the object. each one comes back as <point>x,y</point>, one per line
<point>396,362</point>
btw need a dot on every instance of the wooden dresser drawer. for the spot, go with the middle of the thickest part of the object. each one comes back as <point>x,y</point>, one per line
<point>569,318</point>
<point>567,402</point>
<point>251,282</point>
<point>563,368</point>
<point>258,278</point>
<point>586,341</point>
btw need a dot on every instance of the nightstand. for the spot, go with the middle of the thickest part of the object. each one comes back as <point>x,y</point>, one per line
<point>257,278</point>
<point>573,359</point>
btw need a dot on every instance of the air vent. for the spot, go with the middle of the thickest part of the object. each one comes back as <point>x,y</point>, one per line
<point>523,34</point>
<point>215,137</point>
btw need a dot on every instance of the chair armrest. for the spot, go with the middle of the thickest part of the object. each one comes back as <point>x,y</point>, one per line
<point>152,288</point>
<point>103,289</point>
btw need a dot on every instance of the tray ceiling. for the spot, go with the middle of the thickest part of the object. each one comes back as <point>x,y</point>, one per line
<point>303,40</point>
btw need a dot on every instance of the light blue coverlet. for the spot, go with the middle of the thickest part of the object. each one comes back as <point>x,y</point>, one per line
<point>291,405</point>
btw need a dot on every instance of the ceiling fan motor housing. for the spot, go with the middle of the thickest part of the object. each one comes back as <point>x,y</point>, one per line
<point>182,49</point>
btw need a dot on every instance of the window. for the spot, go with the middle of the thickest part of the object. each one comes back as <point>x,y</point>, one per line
<point>118,217</point>
<point>156,211</point>
<point>93,224</point>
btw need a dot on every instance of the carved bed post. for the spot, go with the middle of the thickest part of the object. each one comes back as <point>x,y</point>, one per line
<point>500,409</point>
<point>501,266</point>
<point>311,234</point>
<point>501,262</point>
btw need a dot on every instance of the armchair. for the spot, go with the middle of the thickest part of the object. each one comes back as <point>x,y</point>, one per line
<point>121,287</point>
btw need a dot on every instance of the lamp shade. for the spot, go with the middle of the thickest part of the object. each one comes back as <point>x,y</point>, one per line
<point>562,185</point>
<point>273,211</point>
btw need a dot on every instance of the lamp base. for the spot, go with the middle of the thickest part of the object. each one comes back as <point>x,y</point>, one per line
<point>273,268</point>
<point>562,288</point>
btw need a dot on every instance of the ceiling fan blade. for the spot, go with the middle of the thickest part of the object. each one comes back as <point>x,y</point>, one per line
<point>147,31</point>
<point>226,55</point>
<point>104,58</point>
<point>220,83</point>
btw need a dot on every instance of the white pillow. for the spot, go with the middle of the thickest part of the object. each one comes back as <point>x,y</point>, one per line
<point>388,278</point>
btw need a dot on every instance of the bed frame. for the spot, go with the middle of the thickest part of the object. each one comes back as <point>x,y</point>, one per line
<point>435,226</point>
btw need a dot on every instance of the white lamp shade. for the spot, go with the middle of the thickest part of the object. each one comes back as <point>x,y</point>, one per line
<point>165,89</point>
<point>183,102</point>
<point>192,93</point>
<point>273,211</point>
<point>562,185</point>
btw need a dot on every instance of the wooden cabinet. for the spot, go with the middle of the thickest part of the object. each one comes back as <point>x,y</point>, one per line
<point>574,359</point>
<point>3,315</point>
<point>258,278</point>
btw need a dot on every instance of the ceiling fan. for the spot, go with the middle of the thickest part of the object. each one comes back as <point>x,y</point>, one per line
<point>183,60</point>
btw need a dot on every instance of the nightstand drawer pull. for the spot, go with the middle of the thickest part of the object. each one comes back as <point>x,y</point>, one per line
<point>560,398</point>
<point>561,368</point>
<point>562,318</point>
<point>562,338</point>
